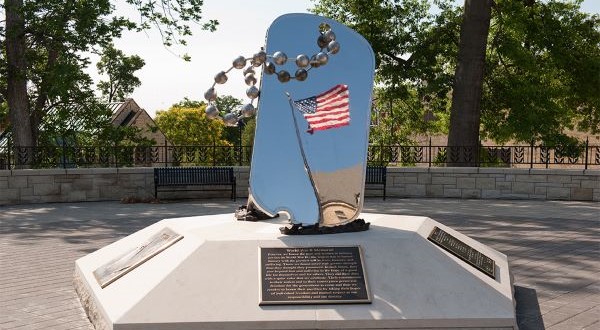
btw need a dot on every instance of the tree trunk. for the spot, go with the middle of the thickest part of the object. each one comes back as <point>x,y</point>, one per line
<point>16,96</point>
<point>463,139</point>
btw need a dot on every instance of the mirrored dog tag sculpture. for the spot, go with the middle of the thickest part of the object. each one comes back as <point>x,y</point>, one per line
<point>310,146</point>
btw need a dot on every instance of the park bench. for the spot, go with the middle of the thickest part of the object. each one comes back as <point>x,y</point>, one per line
<point>187,178</point>
<point>375,178</point>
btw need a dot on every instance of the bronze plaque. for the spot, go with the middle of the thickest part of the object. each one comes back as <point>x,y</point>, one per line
<point>313,275</point>
<point>130,260</point>
<point>463,251</point>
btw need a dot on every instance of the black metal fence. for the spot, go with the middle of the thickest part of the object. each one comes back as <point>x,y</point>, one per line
<point>123,156</point>
<point>532,156</point>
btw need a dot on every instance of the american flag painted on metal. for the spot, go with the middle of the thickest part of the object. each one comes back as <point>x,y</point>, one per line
<point>327,110</point>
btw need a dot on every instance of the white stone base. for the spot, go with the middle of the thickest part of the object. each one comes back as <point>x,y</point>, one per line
<point>210,280</point>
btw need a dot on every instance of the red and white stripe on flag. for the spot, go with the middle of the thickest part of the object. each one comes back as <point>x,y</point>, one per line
<point>332,110</point>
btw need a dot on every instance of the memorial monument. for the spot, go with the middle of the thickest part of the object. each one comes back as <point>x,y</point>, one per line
<point>301,254</point>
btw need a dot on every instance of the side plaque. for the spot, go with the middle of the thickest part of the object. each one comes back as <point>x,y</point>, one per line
<point>463,251</point>
<point>313,275</point>
<point>127,262</point>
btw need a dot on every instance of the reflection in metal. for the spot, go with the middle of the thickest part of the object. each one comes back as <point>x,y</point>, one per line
<point>312,173</point>
<point>340,202</point>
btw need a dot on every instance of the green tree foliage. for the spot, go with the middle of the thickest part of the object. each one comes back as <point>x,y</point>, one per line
<point>541,75</point>
<point>543,72</point>
<point>190,126</point>
<point>395,121</point>
<point>172,18</point>
<point>248,132</point>
<point>415,51</point>
<point>226,103</point>
<point>44,41</point>
<point>187,103</point>
<point>120,70</point>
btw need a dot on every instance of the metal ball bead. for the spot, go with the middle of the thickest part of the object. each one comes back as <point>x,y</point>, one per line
<point>259,58</point>
<point>321,42</point>
<point>280,58</point>
<point>283,76</point>
<point>239,62</point>
<point>248,110</point>
<point>230,119</point>
<point>270,68</point>
<point>333,47</point>
<point>250,79</point>
<point>248,70</point>
<point>314,62</point>
<point>255,58</point>
<point>302,61</point>
<point>211,111</point>
<point>221,77</point>
<point>210,94</point>
<point>262,56</point>
<point>322,58</point>
<point>252,92</point>
<point>301,75</point>
<point>329,35</point>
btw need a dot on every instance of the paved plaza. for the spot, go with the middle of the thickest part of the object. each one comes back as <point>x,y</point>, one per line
<point>553,248</point>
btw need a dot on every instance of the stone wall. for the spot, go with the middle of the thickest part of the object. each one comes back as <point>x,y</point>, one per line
<point>96,184</point>
<point>137,184</point>
<point>494,183</point>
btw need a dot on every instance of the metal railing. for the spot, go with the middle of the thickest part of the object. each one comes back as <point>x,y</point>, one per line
<point>123,156</point>
<point>532,156</point>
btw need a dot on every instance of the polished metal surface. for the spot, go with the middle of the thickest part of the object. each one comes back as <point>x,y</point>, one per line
<point>211,111</point>
<point>313,177</point>
<point>210,94</point>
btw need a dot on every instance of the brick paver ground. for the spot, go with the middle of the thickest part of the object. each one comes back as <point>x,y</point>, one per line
<point>554,251</point>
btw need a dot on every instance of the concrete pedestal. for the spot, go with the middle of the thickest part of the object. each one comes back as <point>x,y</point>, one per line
<point>210,280</point>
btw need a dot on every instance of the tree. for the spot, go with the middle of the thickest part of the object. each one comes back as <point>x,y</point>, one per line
<point>397,120</point>
<point>249,131</point>
<point>542,72</point>
<point>225,104</point>
<point>468,83</point>
<point>120,70</point>
<point>415,51</point>
<point>243,133</point>
<point>189,126</point>
<point>16,86</point>
<point>541,77</point>
<point>187,103</point>
<point>44,42</point>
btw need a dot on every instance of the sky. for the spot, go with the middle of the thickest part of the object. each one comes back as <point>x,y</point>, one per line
<point>167,79</point>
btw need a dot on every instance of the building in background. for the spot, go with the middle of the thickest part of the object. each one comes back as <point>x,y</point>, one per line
<point>129,114</point>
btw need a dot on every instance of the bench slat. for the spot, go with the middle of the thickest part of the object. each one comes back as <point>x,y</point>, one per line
<point>377,175</point>
<point>191,176</point>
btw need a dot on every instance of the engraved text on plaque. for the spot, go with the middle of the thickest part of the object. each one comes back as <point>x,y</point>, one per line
<point>312,275</point>
<point>463,251</point>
